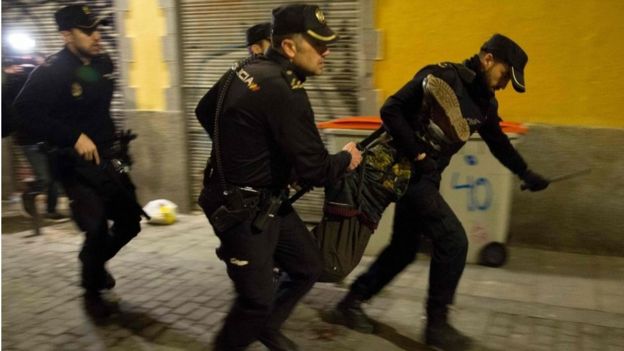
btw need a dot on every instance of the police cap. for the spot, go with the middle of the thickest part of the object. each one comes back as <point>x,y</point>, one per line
<point>508,51</point>
<point>77,16</point>
<point>258,32</point>
<point>302,18</point>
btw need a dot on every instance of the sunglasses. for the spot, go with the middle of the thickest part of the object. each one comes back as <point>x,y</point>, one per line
<point>320,46</point>
<point>88,31</point>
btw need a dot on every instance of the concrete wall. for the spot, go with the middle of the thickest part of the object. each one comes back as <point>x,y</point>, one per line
<point>160,169</point>
<point>583,214</point>
<point>149,70</point>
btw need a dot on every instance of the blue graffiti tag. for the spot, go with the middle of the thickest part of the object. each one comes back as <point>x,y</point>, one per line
<point>471,160</point>
<point>479,194</point>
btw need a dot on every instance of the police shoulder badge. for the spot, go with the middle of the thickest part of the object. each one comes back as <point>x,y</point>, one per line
<point>319,15</point>
<point>291,78</point>
<point>76,89</point>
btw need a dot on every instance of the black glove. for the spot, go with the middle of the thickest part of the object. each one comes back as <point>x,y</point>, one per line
<point>533,181</point>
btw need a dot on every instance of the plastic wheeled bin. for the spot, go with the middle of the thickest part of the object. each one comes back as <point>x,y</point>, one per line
<point>479,190</point>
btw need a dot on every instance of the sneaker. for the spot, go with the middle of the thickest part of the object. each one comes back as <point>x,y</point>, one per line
<point>56,217</point>
<point>349,313</point>
<point>274,340</point>
<point>447,122</point>
<point>445,337</point>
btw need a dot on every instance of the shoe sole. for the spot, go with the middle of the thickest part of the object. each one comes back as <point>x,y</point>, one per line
<point>447,100</point>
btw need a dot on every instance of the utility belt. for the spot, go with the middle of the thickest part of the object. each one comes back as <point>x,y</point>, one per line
<point>243,203</point>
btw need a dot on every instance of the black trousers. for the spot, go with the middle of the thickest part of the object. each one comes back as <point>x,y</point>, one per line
<point>91,211</point>
<point>250,257</point>
<point>422,210</point>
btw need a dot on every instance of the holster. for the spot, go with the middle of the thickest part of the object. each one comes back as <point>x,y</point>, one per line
<point>242,204</point>
<point>267,212</point>
<point>239,205</point>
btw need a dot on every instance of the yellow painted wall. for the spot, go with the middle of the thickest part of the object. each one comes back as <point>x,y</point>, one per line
<point>575,74</point>
<point>148,72</point>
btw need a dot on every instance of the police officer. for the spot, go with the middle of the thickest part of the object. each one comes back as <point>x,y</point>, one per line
<point>258,38</point>
<point>430,119</point>
<point>262,126</point>
<point>43,181</point>
<point>66,102</point>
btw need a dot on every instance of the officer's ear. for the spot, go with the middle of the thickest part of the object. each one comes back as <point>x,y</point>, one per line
<point>255,49</point>
<point>289,47</point>
<point>68,37</point>
<point>488,60</point>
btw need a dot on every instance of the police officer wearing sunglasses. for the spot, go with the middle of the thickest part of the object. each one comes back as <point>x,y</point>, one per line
<point>262,126</point>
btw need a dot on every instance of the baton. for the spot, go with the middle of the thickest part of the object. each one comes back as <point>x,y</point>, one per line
<point>570,175</point>
<point>563,177</point>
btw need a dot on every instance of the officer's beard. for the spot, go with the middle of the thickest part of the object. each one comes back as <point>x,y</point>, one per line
<point>85,55</point>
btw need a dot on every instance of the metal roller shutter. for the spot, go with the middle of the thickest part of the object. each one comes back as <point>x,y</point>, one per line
<point>36,18</point>
<point>213,37</point>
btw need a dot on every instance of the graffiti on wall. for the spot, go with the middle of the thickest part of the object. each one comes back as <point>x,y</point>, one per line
<point>478,190</point>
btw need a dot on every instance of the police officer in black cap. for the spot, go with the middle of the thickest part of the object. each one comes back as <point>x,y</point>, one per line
<point>430,119</point>
<point>262,126</point>
<point>258,38</point>
<point>66,102</point>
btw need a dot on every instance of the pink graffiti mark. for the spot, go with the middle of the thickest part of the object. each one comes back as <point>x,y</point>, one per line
<point>479,234</point>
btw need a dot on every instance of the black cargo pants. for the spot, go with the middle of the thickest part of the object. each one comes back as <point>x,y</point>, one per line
<point>91,211</point>
<point>422,210</point>
<point>250,258</point>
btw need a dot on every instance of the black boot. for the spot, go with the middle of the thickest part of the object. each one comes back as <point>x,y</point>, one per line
<point>29,204</point>
<point>447,122</point>
<point>97,307</point>
<point>220,343</point>
<point>110,281</point>
<point>96,279</point>
<point>349,313</point>
<point>444,337</point>
<point>274,340</point>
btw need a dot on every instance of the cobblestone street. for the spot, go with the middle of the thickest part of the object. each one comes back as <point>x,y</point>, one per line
<point>173,294</point>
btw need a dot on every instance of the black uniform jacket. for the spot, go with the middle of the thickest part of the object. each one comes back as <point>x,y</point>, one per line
<point>267,129</point>
<point>401,113</point>
<point>63,98</point>
<point>11,85</point>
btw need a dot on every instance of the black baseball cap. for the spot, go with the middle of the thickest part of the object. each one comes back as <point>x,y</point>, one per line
<point>302,18</point>
<point>508,51</point>
<point>77,16</point>
<point>258,32</point>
